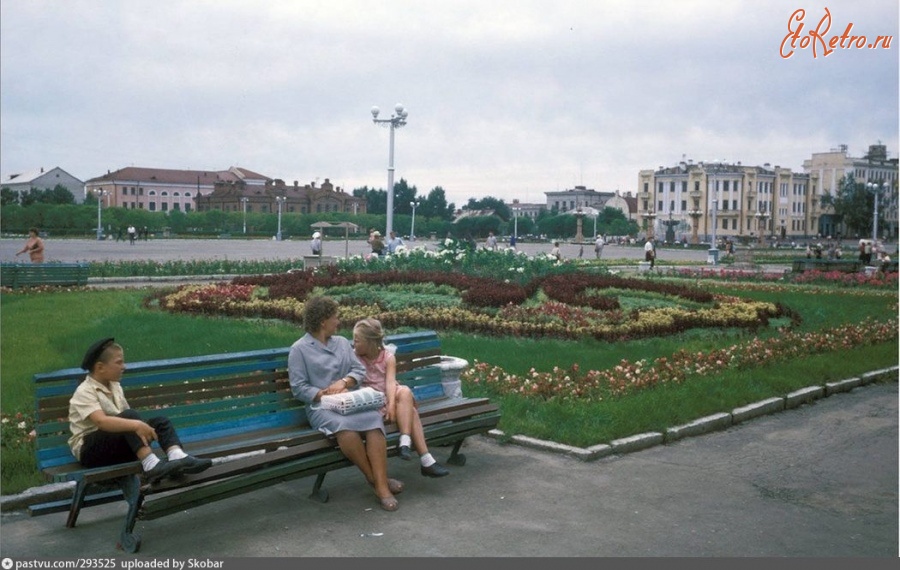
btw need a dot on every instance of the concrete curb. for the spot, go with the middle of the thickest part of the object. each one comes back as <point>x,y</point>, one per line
<point>701,426</point>
<point>638,442</point>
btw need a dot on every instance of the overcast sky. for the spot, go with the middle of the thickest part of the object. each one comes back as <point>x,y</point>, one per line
<point>506,98</point>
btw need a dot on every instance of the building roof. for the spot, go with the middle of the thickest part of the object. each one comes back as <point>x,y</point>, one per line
<point>182,177</point>
<point>30,176</point>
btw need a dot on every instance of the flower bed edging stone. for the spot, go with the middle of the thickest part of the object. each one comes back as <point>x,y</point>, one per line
<point>704,425</point>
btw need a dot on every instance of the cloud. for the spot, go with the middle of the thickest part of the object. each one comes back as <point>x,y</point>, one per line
<point>505,99</point>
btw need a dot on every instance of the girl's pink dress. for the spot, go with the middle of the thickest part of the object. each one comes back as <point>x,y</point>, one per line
<point>376,375</point>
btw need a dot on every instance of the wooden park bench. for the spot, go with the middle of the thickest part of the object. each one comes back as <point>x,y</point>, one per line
<point>238,410</point>
<point>16,275</point>
<point>802,264</point>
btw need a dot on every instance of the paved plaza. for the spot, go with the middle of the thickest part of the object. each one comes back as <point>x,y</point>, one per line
<point>70,250</point>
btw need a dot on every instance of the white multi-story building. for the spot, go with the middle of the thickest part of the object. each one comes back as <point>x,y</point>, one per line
<point>875,168</point>
<point>701,201</point>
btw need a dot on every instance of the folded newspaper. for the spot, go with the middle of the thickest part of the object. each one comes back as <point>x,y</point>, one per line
<point>360,400</point>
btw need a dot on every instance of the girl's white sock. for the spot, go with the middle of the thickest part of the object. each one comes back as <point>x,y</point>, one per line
<point>405,440</point>
<point>427,460</point>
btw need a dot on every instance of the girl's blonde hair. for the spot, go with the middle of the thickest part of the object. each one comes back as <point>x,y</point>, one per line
<point>370,330</point>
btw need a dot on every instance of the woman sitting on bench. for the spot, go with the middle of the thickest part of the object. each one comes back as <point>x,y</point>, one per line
<point>322,362</point>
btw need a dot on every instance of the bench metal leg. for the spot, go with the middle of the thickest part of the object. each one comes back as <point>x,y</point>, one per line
<point>131,488</point>
<point>77,501</point>
<point>318,493</point>
<point>457,458</point>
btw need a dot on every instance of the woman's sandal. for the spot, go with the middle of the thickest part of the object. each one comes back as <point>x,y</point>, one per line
<point>389,503</point>
<point>394,485</point>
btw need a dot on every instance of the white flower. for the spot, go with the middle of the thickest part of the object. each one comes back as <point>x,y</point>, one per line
<point>20,425</point>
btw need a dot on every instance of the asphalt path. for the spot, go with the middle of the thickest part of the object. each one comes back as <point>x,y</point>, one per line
<point>816,481</point>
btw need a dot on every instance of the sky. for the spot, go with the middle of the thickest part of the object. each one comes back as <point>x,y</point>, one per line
<point>507,98</point>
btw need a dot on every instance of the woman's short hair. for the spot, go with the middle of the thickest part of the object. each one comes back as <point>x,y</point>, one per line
<point>370,329</point>
<point>316,311</point>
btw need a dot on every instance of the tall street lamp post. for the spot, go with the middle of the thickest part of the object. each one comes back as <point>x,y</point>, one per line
<point>515,225</point>
<point>713,253</point>
<point>876,189</point>
<point>244,200</point>
<point>100,194</point>
<point>395,122</point>
<point>280,200</point>
<point>412,228</point>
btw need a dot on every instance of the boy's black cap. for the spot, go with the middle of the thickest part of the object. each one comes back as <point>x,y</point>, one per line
<point>93,353</point>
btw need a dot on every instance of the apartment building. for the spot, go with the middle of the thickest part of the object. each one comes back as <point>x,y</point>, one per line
<point>706,200</point>
<point>872,168</point>
<point>236,195</point>
<point>165,190</point>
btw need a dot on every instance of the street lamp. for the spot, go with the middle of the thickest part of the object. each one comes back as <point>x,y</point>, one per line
<point>100,194</point>
<point>244,201</point>
<point>713,253</point>
<point>412,228</point>
<point>395,122</point>
<point>876,189</point>
<point>280,200</point>
<point>515,226</point>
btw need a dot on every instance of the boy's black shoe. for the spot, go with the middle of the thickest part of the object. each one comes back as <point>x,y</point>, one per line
<point>404,453</point>
<point>163,469</point>
<point>191,464</point>
<point>435,470</point>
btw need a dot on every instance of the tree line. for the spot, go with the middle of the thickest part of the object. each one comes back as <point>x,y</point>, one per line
<point>54,211</point>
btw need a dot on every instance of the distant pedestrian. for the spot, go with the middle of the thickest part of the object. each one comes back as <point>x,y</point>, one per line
<point>34,246</point>
<point>377,243</point>
<point>650,252</point>
<point>132,234</point>
<point>598,246</point>
<point>491,241</point>
<point>394,241</point>
<point>316,243</point>
<point>555,252</point>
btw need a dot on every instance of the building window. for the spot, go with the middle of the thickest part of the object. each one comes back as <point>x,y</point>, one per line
<point>187,207</point>
<point>165,206</point>
<point>152,206</point>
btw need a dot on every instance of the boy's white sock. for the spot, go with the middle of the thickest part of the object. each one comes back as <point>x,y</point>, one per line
<point>427,460</point>
<point>405,440</point>
<point>174,453</point>
<point>149,462</point>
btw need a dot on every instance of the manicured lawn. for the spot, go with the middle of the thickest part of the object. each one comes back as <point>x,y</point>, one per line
<point>50,330</point>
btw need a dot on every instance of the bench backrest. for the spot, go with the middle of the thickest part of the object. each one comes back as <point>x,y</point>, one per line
<point>15,275</point>
<point>215,395</point>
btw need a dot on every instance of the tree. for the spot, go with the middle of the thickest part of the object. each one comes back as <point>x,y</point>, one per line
<point>435,205</point>
<point>8,196</point>
<point>403,195</point>
<point>853,204</point>
<point>376,200</point>
<point>59,195</point>
<point>490,203</point>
